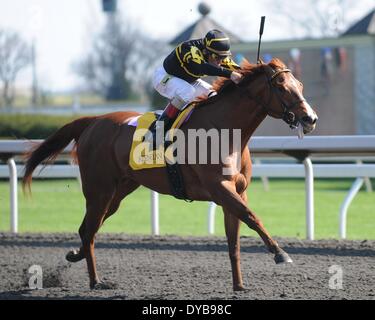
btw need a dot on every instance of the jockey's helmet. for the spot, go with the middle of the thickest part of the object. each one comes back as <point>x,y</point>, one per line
<point>217,42</point>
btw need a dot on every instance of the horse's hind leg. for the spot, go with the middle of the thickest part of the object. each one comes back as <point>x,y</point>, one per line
<point>123,189</point>
<point>96,209</point>
<point>77,255</point>
<point>95,221</point>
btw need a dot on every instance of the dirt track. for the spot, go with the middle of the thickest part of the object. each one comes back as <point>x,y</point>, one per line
<point>184,268</point>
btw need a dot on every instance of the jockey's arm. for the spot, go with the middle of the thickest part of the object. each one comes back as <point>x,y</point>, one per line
<point>210,70</point>
<point>228,63</point>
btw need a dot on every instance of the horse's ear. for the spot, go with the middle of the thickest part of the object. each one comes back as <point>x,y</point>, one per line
<point>260,61</point>
<point>266,68</point>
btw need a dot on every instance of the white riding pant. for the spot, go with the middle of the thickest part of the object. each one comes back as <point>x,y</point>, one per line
<point>175,88</point>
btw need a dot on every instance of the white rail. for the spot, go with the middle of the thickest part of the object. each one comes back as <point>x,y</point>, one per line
<point>359,171</point>
<point>327,146</point>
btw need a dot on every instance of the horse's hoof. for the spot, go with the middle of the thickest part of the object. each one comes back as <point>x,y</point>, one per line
<point>239,288</point>
<point>74,256</point>
<point>104,286</point>
<point>282,257</point>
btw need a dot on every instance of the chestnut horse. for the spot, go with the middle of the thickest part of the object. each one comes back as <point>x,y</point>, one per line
<point>104,142</point>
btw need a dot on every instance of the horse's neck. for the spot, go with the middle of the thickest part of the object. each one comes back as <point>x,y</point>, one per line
<point>237,110</point>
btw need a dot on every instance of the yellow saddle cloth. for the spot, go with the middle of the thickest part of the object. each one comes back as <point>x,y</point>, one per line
<point>141,157</point>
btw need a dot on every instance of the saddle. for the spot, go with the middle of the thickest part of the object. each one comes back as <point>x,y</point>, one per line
<point>143,156</point>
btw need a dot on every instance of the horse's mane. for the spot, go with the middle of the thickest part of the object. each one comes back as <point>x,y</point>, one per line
<point>248,70</point>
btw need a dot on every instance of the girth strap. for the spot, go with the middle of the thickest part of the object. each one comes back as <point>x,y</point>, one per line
<point>176,179</point>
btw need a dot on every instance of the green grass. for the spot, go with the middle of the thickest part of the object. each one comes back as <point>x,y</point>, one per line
<point>58,206</point>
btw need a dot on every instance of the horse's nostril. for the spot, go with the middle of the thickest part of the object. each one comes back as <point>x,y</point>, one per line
<point>309,120</point>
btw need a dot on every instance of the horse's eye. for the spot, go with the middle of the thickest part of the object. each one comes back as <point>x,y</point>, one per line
<point>280,80</point>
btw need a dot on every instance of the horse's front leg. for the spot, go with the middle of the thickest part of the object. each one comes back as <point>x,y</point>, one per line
<point>232,231</point>
<point>224,193</point>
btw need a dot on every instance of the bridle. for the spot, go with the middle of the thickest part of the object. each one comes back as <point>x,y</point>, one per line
<point>287,115</point>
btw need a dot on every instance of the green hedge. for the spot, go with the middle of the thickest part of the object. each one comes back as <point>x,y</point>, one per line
<point>22,126</point>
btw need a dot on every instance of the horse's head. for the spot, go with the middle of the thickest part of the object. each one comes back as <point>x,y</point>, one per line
<point>283,98</point>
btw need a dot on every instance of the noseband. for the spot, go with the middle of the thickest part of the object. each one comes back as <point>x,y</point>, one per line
<point>287,115</point>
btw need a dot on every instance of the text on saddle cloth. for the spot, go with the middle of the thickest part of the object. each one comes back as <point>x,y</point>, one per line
<point>141,157</point>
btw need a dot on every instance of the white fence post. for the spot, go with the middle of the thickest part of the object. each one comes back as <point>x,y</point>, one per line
<point>154,213</point>
<point>366,179</point>
<point>13,196</point>
<point>265,180</point>
<point>344,207</point>
<point>211,218</point>
<point>309,187</point>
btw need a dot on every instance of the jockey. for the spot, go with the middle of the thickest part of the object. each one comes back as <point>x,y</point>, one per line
<point>179,78</point>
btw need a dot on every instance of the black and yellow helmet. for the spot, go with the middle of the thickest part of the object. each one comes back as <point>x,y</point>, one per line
<point>217,42</point>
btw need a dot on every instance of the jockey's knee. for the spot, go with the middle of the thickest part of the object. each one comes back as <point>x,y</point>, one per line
<point>184,96</point>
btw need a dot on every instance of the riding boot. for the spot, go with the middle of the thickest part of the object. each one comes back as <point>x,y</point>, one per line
<point>165,120</point>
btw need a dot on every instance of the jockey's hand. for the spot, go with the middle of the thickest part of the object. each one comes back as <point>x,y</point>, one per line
<point>236,77</point>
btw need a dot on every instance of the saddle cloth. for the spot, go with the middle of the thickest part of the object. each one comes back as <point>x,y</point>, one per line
<point>141,157</point>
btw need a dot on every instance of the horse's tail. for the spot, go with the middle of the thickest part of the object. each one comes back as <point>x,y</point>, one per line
<point>50,148</point>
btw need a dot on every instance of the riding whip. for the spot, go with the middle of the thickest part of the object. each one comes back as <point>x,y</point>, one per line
<point>260,36</point>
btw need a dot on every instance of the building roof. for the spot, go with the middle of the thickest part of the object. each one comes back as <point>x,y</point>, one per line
<point>364,26</point>
<point>199,28</point>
